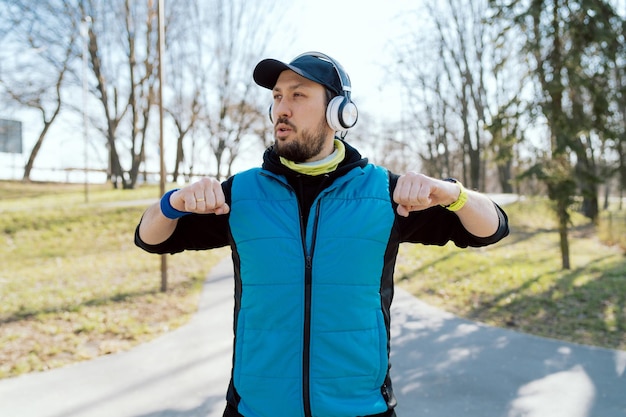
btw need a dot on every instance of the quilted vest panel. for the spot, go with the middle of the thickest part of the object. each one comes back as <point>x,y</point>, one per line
<point>345,240</point>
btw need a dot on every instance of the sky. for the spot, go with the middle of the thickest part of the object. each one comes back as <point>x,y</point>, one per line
<point>358,34</point>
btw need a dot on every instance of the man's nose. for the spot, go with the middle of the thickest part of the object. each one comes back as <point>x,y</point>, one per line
<point>281,109</point>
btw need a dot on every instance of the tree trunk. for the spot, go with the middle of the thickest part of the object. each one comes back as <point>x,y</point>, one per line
<point>563,218</point>
<point>35,151</point>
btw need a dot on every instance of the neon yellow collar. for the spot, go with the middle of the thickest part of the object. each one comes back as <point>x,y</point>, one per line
<point>324,166</point>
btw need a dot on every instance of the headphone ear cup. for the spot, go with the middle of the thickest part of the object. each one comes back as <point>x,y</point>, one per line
<point>269,113</point>
<point>349,114</point>
<point>341,114</point>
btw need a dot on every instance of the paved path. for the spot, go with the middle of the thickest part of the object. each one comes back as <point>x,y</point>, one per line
<point>443,366</point>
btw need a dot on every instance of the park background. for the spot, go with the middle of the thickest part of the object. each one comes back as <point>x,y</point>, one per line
<point>526,98</point>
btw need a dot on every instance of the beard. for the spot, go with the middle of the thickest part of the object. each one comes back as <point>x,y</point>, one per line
<point>305,145</point>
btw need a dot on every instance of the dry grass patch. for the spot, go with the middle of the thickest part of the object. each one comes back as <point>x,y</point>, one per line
<point>74,286</point>
<point>518,283</point>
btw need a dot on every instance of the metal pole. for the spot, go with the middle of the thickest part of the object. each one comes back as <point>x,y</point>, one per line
<point>163,173</point>
<point>84,31</point>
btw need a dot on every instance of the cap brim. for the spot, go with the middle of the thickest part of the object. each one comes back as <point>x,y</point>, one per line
<point>267,71</point>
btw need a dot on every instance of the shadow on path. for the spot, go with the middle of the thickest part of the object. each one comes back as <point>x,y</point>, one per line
<point>445,366</point>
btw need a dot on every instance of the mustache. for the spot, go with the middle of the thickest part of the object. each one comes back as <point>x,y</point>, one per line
<point>285,121</point>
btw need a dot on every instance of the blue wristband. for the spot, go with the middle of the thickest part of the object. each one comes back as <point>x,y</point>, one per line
<point>167,209</point>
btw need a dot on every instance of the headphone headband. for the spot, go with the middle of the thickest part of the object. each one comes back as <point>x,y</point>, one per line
<point>346,86</point>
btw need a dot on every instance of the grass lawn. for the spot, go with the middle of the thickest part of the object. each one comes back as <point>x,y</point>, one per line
<point>519,283</point>
<point>74,286</point>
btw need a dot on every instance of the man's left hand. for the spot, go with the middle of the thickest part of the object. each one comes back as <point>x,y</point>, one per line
<point>415,192</point>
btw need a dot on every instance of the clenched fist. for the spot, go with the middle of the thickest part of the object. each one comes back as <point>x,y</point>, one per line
<point>202,197</point>
<point>415,192</point>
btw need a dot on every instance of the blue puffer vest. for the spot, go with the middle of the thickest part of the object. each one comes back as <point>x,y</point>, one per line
<point>310,337</point>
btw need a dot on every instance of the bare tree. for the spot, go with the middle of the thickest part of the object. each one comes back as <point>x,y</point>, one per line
<point>122,51</point>
<point>509,105</point>
<point>209,90</point>
<point>236,39</point>
<point>44,34</point>
<point>427,125</point>
<point>186,79</point>
<point>448,70</point>
<point>143,76</point>
<point>381,142</point>
<point>212,102</point>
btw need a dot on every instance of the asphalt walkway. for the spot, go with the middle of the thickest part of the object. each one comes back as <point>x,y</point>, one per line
<point>443,366</point>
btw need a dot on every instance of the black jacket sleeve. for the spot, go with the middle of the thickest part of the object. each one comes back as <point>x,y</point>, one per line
<point>195,231</point>
<point>438,226</point>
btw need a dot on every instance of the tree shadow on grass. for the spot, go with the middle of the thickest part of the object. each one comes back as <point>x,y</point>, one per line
<point>585,305</point>
<point>112,299</point>
<point>593,312</point>
<point>425,266</point>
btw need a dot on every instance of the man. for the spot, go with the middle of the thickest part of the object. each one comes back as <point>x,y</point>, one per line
<point>314,235</point>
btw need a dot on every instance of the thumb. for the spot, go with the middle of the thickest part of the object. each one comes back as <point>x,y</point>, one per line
<point>223,209</point>
<point>403,210</point>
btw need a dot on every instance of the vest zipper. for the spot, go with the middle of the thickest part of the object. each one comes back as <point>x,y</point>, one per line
<point>308,281</point>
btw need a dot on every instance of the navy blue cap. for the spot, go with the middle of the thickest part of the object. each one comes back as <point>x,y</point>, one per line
<point>321,71</point>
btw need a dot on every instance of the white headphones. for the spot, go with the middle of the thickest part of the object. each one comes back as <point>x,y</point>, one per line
<point>341,113</point>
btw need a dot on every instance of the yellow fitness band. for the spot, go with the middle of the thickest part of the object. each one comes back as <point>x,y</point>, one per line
<point>461,200</point>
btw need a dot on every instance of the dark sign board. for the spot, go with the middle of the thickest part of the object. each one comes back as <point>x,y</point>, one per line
<point>10,136</point>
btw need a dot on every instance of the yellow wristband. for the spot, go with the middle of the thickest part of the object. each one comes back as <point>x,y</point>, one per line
<point>460,201</point>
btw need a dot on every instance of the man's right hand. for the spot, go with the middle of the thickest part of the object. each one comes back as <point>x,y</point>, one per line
<point>203,197</point>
